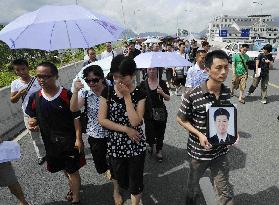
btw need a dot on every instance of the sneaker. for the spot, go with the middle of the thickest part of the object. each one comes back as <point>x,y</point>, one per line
<point>159,156</point>
<point>249,94</point>
<point>264,101</point>
<point>42,160</point>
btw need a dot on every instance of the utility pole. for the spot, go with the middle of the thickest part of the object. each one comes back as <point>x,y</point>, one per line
<point>123,14</point>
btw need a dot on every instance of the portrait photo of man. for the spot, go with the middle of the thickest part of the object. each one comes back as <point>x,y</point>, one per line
<point>222,121</point>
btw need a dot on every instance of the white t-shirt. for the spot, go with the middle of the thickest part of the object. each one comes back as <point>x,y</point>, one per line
<point>106,54</point>
<point>184,55</point>
<point>18,85</point>
<point>137,46</point>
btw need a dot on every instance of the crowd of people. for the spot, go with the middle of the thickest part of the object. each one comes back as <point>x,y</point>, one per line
<point>112,114</point>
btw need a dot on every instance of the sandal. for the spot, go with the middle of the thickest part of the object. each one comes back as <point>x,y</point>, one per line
<point>117,200</point>
<point>159,156</point>
<point>69,196</point>
<point>241,101</point>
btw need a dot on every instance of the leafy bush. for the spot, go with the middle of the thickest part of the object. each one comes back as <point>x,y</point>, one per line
<point>34,57</point>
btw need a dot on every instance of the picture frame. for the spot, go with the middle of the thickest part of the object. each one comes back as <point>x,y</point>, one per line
<point>221,124</point>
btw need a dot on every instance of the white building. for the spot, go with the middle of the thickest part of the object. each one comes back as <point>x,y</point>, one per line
<point>243,29</point>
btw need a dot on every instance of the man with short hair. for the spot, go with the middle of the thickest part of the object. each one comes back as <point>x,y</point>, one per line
<point>49,110</point>
<point>263,64</point>
<point>133,52</point>
<point>108,52</point>
<point>156,47</point>
<point>206,46</point>
<point>197,74</point>
<point>91,55</point>
<point>21,90</point>
<point>179,72</point>
<point>193,51</point>
<point>169,71</point>
<point>192,116</point>
<point>240,72</point>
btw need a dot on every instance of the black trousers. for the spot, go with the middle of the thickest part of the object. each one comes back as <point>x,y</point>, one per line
<point>155,133</point>
<point>98,147</point>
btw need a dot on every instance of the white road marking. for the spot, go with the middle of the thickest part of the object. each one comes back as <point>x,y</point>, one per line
<point>207,190</point>
<point>154,199</point>
<point>21,135</point>
<point>179,167</point>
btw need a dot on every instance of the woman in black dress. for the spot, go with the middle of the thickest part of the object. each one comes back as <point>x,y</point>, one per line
<point>121,112</point>
<point>155,126</point>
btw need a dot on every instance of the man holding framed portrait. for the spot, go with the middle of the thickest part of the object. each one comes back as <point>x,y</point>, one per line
<point>193,116</point>
<point>221,122</point>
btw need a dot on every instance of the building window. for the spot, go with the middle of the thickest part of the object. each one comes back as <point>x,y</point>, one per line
<point>275,34</point>
<point>269,34</point>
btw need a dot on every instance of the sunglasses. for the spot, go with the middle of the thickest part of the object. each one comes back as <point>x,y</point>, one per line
<point>44,77</point>
<point>93,80</point>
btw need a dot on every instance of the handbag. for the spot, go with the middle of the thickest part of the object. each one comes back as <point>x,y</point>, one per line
<point>158,113</point>
<point>84,114</point>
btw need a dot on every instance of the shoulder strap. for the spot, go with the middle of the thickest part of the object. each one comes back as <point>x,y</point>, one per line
<point>29,87</point>
<point>242,61</point>
<point>86,105</point>
<point>149,100</point>
<point>109,98</point>
<point>85,101</point>
<point>38,112</point>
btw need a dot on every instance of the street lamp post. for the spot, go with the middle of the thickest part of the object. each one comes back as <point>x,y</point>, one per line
<point>123,14</point>
<point>261,5</point>
<point>177,24</point>
<point>135,12</point>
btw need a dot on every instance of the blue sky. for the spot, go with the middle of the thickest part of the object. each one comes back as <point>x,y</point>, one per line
<point>151,15</point>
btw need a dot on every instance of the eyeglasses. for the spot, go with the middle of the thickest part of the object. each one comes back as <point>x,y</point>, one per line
<point>93,80</point>
<point>44,77</point>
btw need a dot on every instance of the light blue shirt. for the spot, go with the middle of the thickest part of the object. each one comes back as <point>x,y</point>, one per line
<point>195,76</point>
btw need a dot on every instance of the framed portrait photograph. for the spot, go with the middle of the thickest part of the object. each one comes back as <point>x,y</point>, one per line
<point>221,124</point>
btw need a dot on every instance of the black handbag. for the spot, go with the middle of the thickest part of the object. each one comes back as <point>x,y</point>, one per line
<point>158,113</point>
<point>84,114</point>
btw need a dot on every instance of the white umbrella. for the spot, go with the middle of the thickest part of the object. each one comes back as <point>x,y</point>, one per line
<point>59,27</point>
<point>104,63</point>
<point>152,40</point>
<point>161,59</point>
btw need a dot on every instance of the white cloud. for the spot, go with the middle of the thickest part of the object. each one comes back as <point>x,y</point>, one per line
<point>151,15</point>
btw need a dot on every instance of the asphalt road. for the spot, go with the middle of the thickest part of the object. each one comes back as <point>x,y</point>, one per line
<point>253,163</point>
